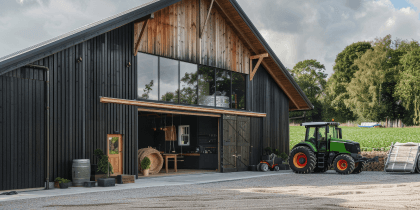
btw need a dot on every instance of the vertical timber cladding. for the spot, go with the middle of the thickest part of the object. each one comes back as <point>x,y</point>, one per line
<point>22,129</point>
<point>236,143</point>
<point>111,71</point>
<point>273,130</point>
<point>174,33</point>
<point>79,123</point>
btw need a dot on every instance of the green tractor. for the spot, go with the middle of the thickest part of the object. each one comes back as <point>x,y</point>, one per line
<point>323,146</point>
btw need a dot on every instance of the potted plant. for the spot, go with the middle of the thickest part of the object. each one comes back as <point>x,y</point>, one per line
<point>64,183</point>
<point>104,166</point>
<point>145,166</point>
<point>57,182</point>
<point>103,163</point>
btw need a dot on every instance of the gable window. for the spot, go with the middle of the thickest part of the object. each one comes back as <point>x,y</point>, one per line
<point>168,80</point>
<point>147,77</point>
<point>173,81</point>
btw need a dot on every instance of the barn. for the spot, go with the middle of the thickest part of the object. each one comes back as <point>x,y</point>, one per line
<point>192,78</point>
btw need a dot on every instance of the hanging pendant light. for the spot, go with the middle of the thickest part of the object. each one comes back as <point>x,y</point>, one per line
<point>154,124</point>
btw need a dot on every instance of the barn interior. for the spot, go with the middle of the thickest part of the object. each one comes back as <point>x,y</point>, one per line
<point>193,139</point>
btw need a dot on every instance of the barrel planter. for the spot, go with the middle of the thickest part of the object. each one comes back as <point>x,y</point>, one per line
<point>81,172</point>
<point>155,157</point>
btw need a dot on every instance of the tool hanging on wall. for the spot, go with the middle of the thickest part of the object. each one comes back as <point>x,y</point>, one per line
<point>170,133</point>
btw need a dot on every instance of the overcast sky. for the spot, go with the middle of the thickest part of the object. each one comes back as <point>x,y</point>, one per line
<point>296,30</point>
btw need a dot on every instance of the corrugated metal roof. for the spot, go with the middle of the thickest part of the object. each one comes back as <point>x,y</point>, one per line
<point>51,46</point>
<point>54,45</point>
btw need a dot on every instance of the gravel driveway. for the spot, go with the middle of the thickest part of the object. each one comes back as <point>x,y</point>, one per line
<point>368,190</point>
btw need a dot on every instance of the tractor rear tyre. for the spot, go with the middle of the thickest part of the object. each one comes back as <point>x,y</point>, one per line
<point>302,160</point>
<point>344,164</point>
<point>358,167</point>
<point>258,166</point>
<point>264,167</point>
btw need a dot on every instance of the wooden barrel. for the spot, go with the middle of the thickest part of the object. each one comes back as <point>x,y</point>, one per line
<point>155,159</point>
<point>81,171</point>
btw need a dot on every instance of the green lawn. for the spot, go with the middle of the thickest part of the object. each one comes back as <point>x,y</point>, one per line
<point>367,137</point>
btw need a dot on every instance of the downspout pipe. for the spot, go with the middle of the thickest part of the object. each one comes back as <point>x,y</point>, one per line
<point>47,116</point>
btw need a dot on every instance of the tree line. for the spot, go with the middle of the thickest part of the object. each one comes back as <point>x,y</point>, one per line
<point>372,81</point>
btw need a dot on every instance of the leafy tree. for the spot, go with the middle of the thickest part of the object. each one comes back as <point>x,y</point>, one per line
<point>344,70</point>
<point>310,76</point>
<point>408,87</point>
<point>371,91</point>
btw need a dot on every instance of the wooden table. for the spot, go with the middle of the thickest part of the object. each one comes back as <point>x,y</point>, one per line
<point>167,156</point>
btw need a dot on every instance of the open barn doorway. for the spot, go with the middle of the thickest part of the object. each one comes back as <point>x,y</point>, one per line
<point>187,143</point>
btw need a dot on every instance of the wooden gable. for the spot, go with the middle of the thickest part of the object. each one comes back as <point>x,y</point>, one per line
<point>227,41</point>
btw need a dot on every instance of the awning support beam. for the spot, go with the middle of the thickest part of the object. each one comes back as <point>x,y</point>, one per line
<point>260,59</point>
<point>178,107</point>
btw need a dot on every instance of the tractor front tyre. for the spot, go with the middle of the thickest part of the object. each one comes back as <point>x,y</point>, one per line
<point>276,168</point>
<point>302,160</point>
<point>264,167</point>
<point>344,164</point>
<point>358,167</point>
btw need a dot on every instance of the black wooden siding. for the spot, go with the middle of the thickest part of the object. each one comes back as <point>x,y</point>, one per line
<point>22,134</point>
<point>273,130</point>
<point>78,121</point>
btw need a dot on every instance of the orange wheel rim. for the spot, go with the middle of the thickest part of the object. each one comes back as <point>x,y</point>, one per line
<point>342,165</point>
<point>300,160</point>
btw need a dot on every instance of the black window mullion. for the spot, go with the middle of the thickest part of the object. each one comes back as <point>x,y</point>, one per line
<point>215,86</point>
<point>159,78</point>
<point>231,91</point>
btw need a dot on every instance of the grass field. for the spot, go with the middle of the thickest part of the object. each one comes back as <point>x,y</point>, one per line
<point>367,137</point>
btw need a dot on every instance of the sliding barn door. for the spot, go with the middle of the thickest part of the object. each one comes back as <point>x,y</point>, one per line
<point>229,143</point>
<point>236,143</point>
<point>242,143</point>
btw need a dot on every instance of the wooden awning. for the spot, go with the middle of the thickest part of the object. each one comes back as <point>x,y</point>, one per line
<point>179,107</point>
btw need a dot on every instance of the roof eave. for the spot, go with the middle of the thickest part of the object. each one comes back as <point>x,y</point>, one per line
<point>271,53</point>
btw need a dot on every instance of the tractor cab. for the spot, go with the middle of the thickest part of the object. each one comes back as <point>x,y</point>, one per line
<point>319,134</point>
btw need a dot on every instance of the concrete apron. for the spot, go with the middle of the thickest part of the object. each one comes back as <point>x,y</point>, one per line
<point>144,183</point>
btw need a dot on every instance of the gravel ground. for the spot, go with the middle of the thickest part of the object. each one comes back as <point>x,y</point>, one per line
<point>368,190</point>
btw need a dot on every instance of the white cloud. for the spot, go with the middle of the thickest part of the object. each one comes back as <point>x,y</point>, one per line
<point>322,29</point>
<point>295,30</point>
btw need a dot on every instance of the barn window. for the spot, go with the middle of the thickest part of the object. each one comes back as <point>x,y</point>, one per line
<point>168,80</point>
<point>188,83</point>
<point>147,77</point>
<point>206,86</point>
<point>223,87</point>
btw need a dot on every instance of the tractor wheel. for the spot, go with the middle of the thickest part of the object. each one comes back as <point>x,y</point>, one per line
<point>276,168</point>
<point>418,165</point>
<point>302,160</point>
<point>344,164</point>
<point>264,167</point>
<point>358,167</point>
<point>258,166</point>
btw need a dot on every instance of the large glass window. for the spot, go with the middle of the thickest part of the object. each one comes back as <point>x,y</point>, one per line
<point>188,83</point>
<point>174,81</point>
<point>147,77</point>
<point>206,86</point>
<point>168,80</point>
<point>223,85</point>
<point>238,90</point>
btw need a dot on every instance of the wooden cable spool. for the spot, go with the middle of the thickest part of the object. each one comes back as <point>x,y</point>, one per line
<point>155,157</point>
